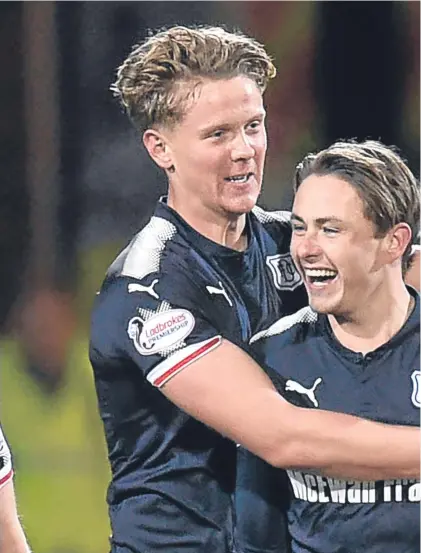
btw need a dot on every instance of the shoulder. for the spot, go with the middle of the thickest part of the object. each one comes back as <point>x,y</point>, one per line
<point>273,227</point>
<point>157,257</point>
<point>276,218</point>
<point>160,308</point>
<point>301,322</point>
<point>274,222</point>
<point>147,250</point>
<point>125,305</point>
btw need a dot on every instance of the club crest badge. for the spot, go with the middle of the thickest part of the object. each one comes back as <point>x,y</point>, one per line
<point>284,273</point>
<point>416,388</point>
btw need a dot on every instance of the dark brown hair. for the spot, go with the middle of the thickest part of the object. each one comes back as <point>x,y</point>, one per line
<point>387,187</point>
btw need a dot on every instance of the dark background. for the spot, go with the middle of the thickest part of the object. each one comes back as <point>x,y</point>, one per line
<point>73,173</point>
<point>76,184</point>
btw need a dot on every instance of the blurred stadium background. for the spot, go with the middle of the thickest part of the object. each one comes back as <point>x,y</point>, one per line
<point>75,185</point>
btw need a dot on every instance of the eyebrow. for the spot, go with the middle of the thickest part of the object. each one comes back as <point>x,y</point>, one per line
<point>319,220</point>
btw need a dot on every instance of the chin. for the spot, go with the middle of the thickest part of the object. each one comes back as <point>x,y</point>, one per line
<point>241,205</point>
<point>323,306</point>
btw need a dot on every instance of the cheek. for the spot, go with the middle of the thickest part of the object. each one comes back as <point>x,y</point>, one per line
<point>198,164</point>
<point>293,247</point>
<point>260,148</point>
<point>210,159</point>
<point>355,264</point>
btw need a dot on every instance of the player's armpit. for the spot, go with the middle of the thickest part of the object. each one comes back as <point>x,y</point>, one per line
<point>12,538</point>
<point>229,392</point>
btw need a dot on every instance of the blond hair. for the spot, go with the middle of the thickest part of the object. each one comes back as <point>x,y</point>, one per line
<point>150,81</point>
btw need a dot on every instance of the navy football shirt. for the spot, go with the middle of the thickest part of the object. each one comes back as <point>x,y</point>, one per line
<point>169,298</point>
<point>327,515</point>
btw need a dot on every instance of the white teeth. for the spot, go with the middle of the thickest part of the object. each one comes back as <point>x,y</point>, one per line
<point>320,284</point>
<point>320,273</point>
<point>239,178</point>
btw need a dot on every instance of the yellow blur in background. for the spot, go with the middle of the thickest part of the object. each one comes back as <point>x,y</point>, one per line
<point>59,454</point>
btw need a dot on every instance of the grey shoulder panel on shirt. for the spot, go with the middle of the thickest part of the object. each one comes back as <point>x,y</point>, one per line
<point>271,216</point>
<point>304,315</point>
<point>145,252</point>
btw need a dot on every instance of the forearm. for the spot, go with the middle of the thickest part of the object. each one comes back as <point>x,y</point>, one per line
<point>348,447</point>
<point>12,538</point>
<point>237,399</point>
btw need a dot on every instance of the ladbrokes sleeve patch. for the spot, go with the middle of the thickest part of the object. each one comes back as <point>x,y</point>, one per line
<point>6,471</point>
<point>160,332</point>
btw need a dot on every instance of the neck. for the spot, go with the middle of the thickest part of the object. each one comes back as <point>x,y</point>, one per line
<point>221,227</point>
<point>377,319</point>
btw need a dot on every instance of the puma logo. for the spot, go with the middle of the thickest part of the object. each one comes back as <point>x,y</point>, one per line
<point>221,291</point>
<point>148,289</point>
<point>293,386</point>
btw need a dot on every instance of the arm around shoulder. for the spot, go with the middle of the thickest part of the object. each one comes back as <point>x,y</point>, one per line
<point>227,390</point>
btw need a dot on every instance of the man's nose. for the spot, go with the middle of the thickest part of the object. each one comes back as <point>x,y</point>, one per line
<point>306,246</point>
<point>242,147</point>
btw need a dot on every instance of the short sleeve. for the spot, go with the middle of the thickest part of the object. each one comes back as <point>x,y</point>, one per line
<point>6,471</point>
<point>161,323</point>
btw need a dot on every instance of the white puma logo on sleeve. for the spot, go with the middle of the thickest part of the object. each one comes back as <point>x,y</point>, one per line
<point>133,287</point>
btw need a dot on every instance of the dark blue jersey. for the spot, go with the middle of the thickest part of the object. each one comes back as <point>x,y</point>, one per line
<point>169,298</point>
<point>328,515</point>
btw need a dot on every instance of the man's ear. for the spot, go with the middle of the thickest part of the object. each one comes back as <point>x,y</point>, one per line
<point>158,148</point>
<point>396,241</point>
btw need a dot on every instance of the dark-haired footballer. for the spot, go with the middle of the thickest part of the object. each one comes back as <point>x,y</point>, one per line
<point>354,350</point>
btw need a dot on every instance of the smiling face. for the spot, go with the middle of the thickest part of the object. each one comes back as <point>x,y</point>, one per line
<point>217,150</point>
<point>334,245</point>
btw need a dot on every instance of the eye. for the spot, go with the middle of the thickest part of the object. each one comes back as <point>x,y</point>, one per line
<point>298,228</point>
<point>217,134</point>
<point>254,126</point>
<point>330,230</point>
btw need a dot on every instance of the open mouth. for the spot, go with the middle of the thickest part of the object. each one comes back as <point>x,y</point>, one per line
<point>239,179</point>
<point>320,277</point>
